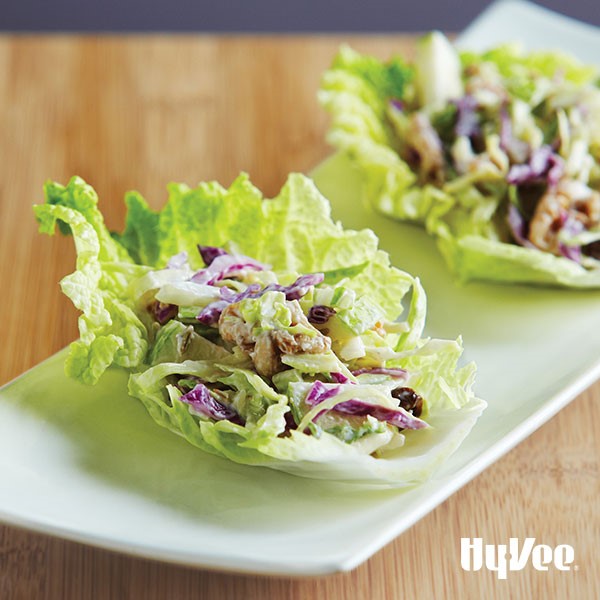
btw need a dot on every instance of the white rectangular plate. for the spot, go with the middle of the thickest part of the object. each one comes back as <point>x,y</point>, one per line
<point>80,463</point>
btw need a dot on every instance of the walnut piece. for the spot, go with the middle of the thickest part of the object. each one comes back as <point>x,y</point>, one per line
<point>266,348</point>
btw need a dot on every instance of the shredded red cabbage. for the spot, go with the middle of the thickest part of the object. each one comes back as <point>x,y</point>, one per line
<point>320,392</point>
<point>252,291</point>
<point>399,418</point>
<point>516,148</point>
<point>518,226</point>
<point>506,134</point>
<point>178,261</point>
<point>300,287</point>
<point>224,266</point>
<point>340,378</point>
<point>211,313</point>
<point>209,253</point>
<point>203,402</point>
<point>571,252</point>
<point>545,166</point>
<point>569,224</point>
<point>397,104</point>
<point>467,122</point>
<point>572,227</point>
<point>164,312</point>
<point>226,293</point>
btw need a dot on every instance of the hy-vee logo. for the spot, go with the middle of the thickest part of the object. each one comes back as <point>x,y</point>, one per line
<point>514,557</point>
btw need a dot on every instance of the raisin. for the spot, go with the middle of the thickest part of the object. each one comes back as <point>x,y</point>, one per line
<point>592,250</point>
<point>409,400</point>
<point>320,314</point>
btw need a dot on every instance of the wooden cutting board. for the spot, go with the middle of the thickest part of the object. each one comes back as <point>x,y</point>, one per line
<point>140,111</point>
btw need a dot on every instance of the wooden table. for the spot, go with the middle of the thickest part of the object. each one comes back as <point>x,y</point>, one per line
<point>138,112</point>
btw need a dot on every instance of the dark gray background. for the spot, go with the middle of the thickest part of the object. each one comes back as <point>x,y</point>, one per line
<point>257,15</point>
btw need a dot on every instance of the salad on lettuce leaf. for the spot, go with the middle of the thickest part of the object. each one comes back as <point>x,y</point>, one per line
<point>261,331</point>
<point>496,154</point>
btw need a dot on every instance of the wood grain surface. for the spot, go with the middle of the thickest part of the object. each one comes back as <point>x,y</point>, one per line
<point>138,112</point>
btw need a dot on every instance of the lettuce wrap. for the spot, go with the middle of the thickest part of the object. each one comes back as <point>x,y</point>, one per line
<point>496,154</point>
<point>261,331</point>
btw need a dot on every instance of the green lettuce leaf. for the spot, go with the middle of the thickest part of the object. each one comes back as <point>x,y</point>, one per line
<point>451,413</point>
<point>294,233</point>
<point>473,257</point>
<point>110,331</point>
<point>516,66</point>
